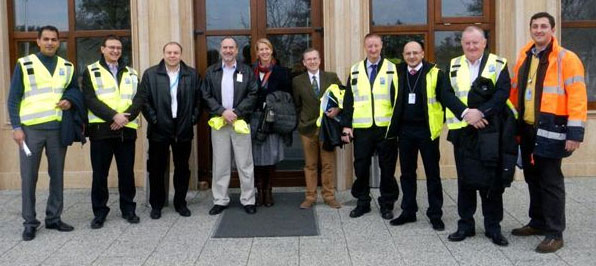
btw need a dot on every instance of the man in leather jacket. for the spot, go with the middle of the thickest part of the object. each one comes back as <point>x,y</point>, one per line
<point>172,104</point>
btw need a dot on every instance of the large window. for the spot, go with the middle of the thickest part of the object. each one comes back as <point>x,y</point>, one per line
<point>437,23</point>
<point>82,25</point>
<point>578,34</point>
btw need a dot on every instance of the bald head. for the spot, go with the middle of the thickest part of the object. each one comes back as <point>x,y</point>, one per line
<point>413,53</point>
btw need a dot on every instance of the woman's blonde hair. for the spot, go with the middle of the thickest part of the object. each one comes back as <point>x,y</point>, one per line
<point>263,41</point>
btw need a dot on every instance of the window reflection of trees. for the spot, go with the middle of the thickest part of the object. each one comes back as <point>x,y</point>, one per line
<point>578,9</point>
<point>462,8</point>
<point>289,48</point>
<point>286,13</point>
<point>102,14</point>
<point>581,41</point>
<point>393,46</point>
<point>447,46</point>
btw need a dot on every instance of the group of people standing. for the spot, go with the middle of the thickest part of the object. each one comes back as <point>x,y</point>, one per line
<point>384,109</point>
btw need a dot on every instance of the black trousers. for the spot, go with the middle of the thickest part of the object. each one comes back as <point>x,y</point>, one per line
<point>546,186</point>
<point>492,201</point>
<point>158,160</point>
<point>411,140</point>
<point>102,152</point>
<point>367,141</point>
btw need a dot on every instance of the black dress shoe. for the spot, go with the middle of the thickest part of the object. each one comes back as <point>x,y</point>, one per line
<point>250,209</point>
<point>60,226</point>
<point>131,218</point>
<point>437,224</point>
<point>97,222</point>
<point>387,214</point>
<point>29,233</point>
<point>183,211</point>
<point>217,209</point>
<point>359,211</point>
<point>403,219</point>
<point>497,238</point>
<point>460,235</point>
<point>155,214</point>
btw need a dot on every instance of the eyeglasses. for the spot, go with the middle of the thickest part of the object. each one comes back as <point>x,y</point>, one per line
<point>114,47</point>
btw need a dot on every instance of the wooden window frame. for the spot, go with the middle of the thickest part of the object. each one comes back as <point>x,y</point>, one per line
<point>69,37</point>
<point>436,23</point>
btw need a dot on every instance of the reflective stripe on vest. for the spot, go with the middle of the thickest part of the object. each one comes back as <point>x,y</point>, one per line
<point>42,90</point>
<point>459,74</point>
<point>119,98</point>
<point>377,110</point>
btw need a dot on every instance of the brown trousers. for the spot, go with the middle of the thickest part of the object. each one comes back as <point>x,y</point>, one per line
<point>313,151</point>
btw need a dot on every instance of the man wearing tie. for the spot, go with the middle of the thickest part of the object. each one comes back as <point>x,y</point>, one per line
<point>418,120</point>
<point>368,106</point>
<point>308,88</point>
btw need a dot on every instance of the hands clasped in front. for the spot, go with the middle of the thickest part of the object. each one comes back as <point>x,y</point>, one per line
<point>475,118</point>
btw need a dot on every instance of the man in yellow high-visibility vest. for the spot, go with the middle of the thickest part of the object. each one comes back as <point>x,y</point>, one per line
<point>110,88</point>
<point>475,67</point>
<point>35,105</point>
<point>368,106</point>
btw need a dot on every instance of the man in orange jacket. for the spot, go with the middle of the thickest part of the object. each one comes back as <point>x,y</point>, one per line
<point>549,92</point>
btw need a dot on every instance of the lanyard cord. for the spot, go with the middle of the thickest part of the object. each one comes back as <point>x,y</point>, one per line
<point>415,83</point>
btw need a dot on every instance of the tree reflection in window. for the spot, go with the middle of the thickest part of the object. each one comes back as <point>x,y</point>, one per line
<point>288,13</point>
<point>572,10</point>
<point>289,49</point>
<point>462,8</point>
<point>102,14</point>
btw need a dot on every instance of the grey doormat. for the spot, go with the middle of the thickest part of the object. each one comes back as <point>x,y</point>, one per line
<point>285,218</point>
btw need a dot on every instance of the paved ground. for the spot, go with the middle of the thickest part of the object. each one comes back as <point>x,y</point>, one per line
<point>369,240</point>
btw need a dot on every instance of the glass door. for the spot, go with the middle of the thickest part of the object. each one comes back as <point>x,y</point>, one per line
<point>292,26</point>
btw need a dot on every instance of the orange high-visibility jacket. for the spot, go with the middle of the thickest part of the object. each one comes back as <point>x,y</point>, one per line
<point>561,98</point>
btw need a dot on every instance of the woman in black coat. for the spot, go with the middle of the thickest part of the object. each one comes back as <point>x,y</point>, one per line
<point>270,151</point>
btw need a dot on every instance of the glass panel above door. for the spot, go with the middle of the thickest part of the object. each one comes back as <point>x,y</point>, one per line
<point>462,8</point>
<point>228,14</point>
<point>398,12</point>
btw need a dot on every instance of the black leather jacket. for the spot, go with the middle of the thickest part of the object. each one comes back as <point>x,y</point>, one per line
<point>155,90</point>
<point>245,90</point>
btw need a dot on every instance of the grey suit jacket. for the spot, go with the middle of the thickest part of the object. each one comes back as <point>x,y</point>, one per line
<point>307,103</point>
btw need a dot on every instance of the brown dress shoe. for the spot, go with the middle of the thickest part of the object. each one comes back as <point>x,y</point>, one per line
<point>549,245</point>
<point>526,230</point>
<point>307,204</point>
<point>333,203</point>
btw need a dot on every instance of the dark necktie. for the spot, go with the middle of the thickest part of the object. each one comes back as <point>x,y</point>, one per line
<point>315,86</point>
<point>373,73</point>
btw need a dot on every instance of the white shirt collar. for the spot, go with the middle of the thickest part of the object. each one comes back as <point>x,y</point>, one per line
<point>476,63</point>
<point>310,75</point>
<point>369,63</point>
<point>417,68</point>
<point>223,65</point>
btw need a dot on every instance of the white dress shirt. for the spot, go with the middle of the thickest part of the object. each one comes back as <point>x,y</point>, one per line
<point>174,79</point>
<point>227,86</point>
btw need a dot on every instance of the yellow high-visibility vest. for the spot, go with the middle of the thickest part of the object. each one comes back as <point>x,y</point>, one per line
<point>42,89</point>
<point>117,97</point>
<point>332,90</point>
<point>378,109</point>
<point>435,109</point>
<point>459,73</point>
